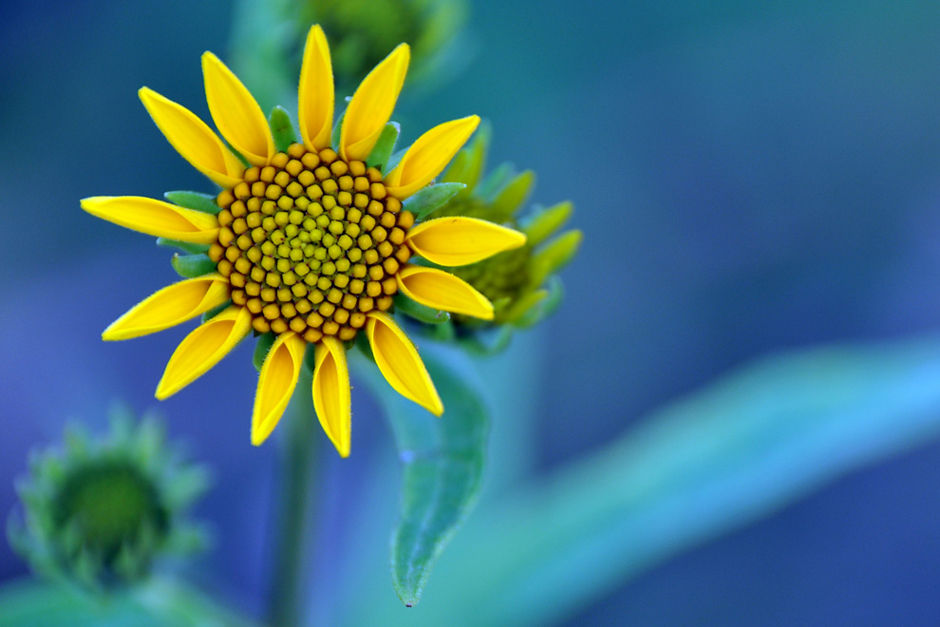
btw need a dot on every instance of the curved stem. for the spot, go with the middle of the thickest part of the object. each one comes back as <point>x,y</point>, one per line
<point>294,514</point>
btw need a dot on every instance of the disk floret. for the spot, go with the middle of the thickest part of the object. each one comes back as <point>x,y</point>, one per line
<point>311,243</point>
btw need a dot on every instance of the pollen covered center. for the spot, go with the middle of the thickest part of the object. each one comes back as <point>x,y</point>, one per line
<point>311,243</point>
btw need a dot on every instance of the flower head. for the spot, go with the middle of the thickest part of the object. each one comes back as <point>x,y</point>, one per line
<point>100,511</point>
<point>309,241</point>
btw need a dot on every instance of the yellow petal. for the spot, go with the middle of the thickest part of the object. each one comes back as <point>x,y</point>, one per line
<point>155,217</point>
<point>442,290</point>
<point>235,112</point>
<point>400,364</point>
<point>315,94</point>
<point>372,104</point>
<point>457,241</point>
<point>203,348</point>
<point>429,155</point>
<point>170,306</point>
<point>331,395</point>
<point>192,139</point>
<point>276,383</point>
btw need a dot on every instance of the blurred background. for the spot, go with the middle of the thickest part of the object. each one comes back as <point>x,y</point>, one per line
<point>749,177</point>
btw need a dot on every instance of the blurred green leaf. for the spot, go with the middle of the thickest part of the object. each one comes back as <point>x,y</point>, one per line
<point>443,465</point>
<point>742,448</point>
<point>161,601</point>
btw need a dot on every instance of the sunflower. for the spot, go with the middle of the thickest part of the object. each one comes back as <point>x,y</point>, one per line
<point>308,242</point>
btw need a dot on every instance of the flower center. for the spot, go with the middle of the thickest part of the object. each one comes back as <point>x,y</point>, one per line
<point>311,243</point>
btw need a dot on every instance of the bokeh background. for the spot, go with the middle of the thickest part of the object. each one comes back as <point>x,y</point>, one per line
<point>749,177</point>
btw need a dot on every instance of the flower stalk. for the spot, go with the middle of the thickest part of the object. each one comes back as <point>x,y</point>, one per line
<point>298,472</point>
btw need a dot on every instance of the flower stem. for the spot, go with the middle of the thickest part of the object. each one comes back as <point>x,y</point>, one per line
<point>294,514</point>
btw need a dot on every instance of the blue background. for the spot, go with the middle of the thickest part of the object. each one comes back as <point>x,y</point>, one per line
<point>748,176</point>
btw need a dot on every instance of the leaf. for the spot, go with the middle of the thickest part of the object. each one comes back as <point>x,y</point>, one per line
<point>428,200</point>
<point>443,466</point>
<point>734,452</point>
<point>160,601</point>
<point>282,129</point>
<point>194,200</point>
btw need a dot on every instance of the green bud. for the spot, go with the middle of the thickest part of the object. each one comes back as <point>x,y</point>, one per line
<point>100,511</point>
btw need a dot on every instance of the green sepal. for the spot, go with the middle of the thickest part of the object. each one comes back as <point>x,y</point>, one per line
<point>195,249</point>
<point>512,196</point>
<point>467,166</point>
<point>394,159</point>
<point>212,313</point>
<point>337,133</point>
<point>194,200</point>
<point>540,226</point>
<point>527,310</point>
<point>265,342</point>
<point>192,266</point>
<point>282,129</point>
<point>495,181</point>
<point>384,147</point>
<point>554,255</point>
<point>432,198</point>
<point>421,313</point>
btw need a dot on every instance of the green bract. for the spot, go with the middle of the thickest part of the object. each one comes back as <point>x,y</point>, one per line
<point>98,512</point>
<point>521,283</point>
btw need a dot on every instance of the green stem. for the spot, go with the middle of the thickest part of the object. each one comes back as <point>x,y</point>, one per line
<point>298,440</point>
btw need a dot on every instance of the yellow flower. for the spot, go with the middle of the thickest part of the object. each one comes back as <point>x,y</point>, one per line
<point>309,244</point>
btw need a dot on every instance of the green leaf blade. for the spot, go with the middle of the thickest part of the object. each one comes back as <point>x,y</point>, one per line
<point>443,461</point>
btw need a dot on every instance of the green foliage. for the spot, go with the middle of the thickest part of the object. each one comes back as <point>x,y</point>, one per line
<point>442,462</point>
<point>157,602</point>
<point>733,452</point>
